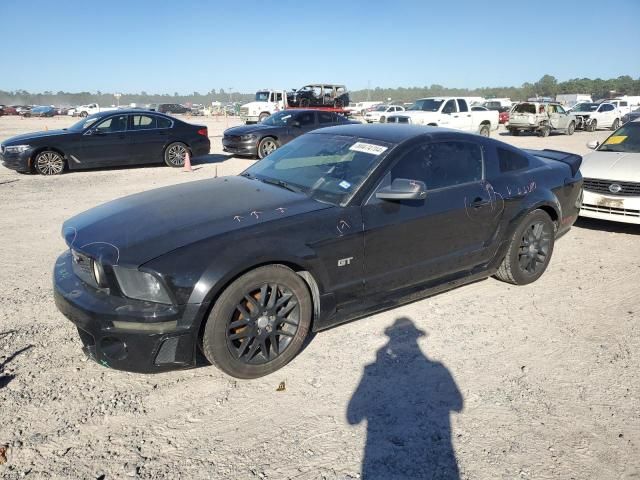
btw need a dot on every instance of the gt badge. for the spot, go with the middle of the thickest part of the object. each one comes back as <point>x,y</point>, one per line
<point>344,261</point>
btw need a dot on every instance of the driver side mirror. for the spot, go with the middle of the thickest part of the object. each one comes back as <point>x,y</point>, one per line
<point>593,144</point>
<point>403,189</point>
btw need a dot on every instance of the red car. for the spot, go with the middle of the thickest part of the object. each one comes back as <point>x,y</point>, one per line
<point>503,117</point>
<point>7,110</point>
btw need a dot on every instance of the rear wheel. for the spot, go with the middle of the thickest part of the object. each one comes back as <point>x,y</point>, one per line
<point>571,128</point>
<point>484,130</point>
<point>83,114</point>
<point>175,154</point>
<point>259,323</point>
<point>530,250</point>
<point>544,131</point>
<point>266,146</point>
<point>615,125</point>
<point>49,163</point>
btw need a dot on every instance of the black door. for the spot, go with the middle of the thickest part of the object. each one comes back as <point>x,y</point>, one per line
<point>411,241</point>
<point>106,143</point>
<point>146,138</point>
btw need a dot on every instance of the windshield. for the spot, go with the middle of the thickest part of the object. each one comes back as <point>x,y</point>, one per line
<point>427,105</point>
<point>328,168</point>
<point>278,119</point>
<point>381,108</point>
<point>626,139</point>
<point>585,107</point>
<point>84,123</point>
<point>262,96</point>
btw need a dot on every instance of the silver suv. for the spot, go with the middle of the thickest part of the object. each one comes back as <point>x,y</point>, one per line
<point>542,118</point>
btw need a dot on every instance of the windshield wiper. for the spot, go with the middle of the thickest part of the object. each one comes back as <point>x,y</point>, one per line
<point>280,183</point>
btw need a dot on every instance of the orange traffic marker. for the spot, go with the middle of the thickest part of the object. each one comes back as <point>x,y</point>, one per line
<point>187,162</point>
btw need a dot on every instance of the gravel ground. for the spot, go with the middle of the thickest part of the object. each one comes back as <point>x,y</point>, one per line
<point>534,382</point>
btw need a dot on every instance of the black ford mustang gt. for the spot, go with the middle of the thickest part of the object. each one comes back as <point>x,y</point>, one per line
<point>120,137</point>
<point>336,224</point>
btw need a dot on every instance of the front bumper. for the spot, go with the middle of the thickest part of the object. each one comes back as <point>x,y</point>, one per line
<point>240,147</point>
<point>156,337</point>
<point>610,207</point>
<point>20,162</point>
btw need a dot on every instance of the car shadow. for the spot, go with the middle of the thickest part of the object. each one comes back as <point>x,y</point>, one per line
<point>406,399</point>
<point>607,226</point>
<point>5,379</point>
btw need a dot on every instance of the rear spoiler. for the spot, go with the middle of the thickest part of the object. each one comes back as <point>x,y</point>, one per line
<point>573,160</point>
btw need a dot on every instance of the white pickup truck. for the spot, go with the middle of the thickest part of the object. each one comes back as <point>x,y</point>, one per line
<point>86,110</point>
<point>448,112</point>
<point>265,103</point>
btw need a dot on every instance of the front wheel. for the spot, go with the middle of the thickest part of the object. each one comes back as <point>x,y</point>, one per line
<point>263,116</point>
<point>484,130</point>
<point>175,154</point>
<point>592,126</point>
<point>259,323</point>
<point>615,125</point>
<point>530,250</point>
<point>544,131</point>
<point>49,163</point>
<point>571,128</point>
<point>83,114</point>
<point>266,146</point>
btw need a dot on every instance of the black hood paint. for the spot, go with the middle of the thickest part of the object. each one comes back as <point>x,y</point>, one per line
<point>141,227</point>
<point>257,128</point>
<point>35,136</point>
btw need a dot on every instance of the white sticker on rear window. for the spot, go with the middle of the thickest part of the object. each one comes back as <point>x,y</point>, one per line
<point>367,148</point>
<point>344,184</point>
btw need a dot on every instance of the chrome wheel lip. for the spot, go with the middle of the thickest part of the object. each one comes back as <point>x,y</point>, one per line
<point>176,155</point>
<point>50,163</point>
<point>263,324</point>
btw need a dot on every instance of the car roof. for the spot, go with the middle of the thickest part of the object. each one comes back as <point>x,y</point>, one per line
<point>384,132</point>
<point>131,110</point>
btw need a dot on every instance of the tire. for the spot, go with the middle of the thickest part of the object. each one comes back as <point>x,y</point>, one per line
<point>529,251</point>
<point>304,102</point>
<point>571,128</point>
<point>259,322</point>
<point>544,131</point>
<point>266,146</point>
<point>174,154</point>
<point>49,162</point>
<point>615,125</point>
<point>337,104</point>
<point>84,114</point>
<point>592,127</point>
<point>514,131</point>
<point>382,119</point>
<point>262,116</point>
<point>485,131</point>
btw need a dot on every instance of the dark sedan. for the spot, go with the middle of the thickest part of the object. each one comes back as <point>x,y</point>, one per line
<point>122,137</point>
<point>631,116</point>
<point>274,131</point>
<point>338,223</point>
<point>41,112</point>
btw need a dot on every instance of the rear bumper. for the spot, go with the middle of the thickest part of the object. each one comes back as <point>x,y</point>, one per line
<point>201,147</point>
<point>610,207</point>
<point>149,337</point>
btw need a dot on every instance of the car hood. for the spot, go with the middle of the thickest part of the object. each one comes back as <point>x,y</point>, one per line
<point>21,139</point>
<point>247,129</point>
<point>133,230</point>
<point>611,166</point>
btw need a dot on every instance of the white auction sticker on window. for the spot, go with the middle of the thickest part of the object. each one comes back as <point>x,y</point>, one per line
<point>367,148</point>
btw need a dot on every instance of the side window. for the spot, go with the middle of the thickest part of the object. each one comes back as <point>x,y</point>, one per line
<point>624,104</point>
<point>306,118</point>
<point>163,122</point>
<point>560,109</point>
<point>449,107</point>
<point>511,161</point>
<point>113,124</point>
<point>462,105</point>
<point>142,122</point>
<point>441,164</point>
<point>325,117</point>
<point>606,108</point>
<point>278,97</point>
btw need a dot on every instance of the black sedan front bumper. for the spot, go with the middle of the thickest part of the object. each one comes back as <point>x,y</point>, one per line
<point>20,162</point>
<point>146,337</point>
<point>240,147</point>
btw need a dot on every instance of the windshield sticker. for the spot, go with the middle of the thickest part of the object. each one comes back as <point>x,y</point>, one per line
<point>615,140</point>
<point>344,184</point>
<point>367,148</point>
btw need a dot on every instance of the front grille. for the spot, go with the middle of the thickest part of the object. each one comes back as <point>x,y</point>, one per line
<point>232,138</point>
<point>398,120</point>
<point>244,111</point>
<point>628,189</point>
<point>626,212</point>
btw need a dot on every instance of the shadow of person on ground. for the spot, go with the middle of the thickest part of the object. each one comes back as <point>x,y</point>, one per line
<point>5,379</point>
<point>406,399</point>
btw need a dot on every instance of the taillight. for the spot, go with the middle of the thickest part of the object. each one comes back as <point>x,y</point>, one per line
<point>203,131</point>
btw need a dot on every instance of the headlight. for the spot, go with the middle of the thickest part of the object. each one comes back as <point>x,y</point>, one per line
<point>98,274</point>
<point>16,148</point>
<point>141,285</point>
<point>247,137</point>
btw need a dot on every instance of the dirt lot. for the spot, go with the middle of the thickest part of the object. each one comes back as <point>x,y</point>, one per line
<point>533,382</point>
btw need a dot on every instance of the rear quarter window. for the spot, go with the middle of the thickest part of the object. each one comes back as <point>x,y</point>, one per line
<point>511,161</point>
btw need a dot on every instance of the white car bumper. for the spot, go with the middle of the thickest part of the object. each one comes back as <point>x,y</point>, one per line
<point>611,207</point>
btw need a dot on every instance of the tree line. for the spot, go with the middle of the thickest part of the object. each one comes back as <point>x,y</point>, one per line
<point>547,86</point>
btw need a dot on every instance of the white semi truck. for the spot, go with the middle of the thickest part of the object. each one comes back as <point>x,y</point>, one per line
<point>265,103</point>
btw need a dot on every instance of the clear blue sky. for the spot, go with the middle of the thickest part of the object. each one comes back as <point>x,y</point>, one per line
<point>162,46</point>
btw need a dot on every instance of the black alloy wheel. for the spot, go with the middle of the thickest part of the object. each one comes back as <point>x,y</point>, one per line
<point>258,323</point>
<point>534,247</point>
